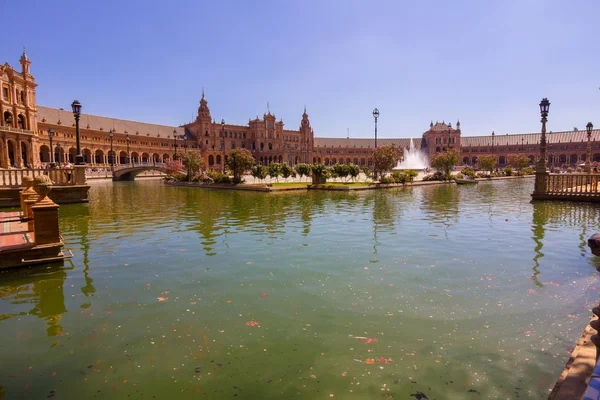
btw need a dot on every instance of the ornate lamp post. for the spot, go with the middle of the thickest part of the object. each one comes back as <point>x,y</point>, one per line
<point>588,160</point>
<point>493,136</point>
<point>175,144</point>
<point>50,136</point>
<point>76,106</point>
<point>184,138</point>
<point>112,154</point>
<point>544,108</point>
<point>128,155</point>
<point>222,134</point>
<point>540,171</point>
<point>376,115</point>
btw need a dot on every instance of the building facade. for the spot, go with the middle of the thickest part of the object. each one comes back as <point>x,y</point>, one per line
<point>25,139</point>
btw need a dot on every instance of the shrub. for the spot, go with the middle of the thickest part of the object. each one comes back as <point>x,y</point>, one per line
<point>460,175</point>
<point>468,172</point>
<point>386,180</point>
<point>528,171</point>
<point>508,171</point>
<point>399,177</point>
<point>436,176</point>
<point>218,176</point>
<point>180,177</point>
<point>482,175</point>
<point>411,175</point>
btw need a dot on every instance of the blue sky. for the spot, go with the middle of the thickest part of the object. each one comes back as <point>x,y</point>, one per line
<point>487,63</point>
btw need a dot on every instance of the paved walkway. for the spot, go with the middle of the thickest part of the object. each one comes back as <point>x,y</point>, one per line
<point>13,232</point>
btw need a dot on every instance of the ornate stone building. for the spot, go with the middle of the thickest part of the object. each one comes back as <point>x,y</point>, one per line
<point>266,138</point>
<point>24,138</point>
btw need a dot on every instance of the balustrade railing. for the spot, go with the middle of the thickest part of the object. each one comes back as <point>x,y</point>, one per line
<point>14,177</point>
<point>580,184</point>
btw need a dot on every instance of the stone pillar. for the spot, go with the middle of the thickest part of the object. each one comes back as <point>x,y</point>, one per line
<point>79,171</point>
<point>26,193</point>
<point>45,217</point>
<point>28,204</point>
<point>4,153</point>
<point>18,156</point>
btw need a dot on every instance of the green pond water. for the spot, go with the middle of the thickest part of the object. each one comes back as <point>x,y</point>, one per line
<point>457,292</point>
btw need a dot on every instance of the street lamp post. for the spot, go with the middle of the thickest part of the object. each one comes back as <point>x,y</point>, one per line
<point>376,115</point>
<point>184,143</point>
<point>222,134</point>
<point>112,154</point>
<point>493,136</point>
<point>540,171</point>
<point>128,155</point>
<point>50,136</point>
<point>76,106</point>
<point>175,144</point>
<point>588,160</point>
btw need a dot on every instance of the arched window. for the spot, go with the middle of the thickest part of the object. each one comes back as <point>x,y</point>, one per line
<point>270,146</point>
<point>218,159</point>
<point>8,121</point>
<point>211,160</point>
<point>21,121</point>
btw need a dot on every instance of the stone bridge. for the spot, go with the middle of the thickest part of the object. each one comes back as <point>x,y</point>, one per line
<point>128,172</point>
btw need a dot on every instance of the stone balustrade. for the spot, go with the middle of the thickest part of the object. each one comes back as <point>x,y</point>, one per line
<point>14,177</point>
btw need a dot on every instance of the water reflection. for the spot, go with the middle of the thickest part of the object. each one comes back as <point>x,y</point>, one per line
<point>37,292</point>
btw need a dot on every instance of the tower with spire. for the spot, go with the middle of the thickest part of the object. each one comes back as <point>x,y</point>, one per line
<point>306,136</point>
<point>203,125</point>
<point>25,63</point>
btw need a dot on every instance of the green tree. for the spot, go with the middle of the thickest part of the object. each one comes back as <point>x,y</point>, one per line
<point>286,171</point>
<point>238,162</point>
<point>354,171</point>
<point>518,161</point>
<point>259,172</point>
<point>367,171</point>
<point>488,163</point>
<point>303,169</point>
<point>319,173</point>
<point>340,170</point>
<point>385,158</point>
<point>445,162</point>
<point>274,171</point>
<point>192,161</point>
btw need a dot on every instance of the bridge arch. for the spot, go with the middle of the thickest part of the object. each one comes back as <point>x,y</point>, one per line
<point>129,172</point>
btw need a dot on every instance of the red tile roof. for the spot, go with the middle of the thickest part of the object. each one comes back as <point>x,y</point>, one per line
<point>52,116</point>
